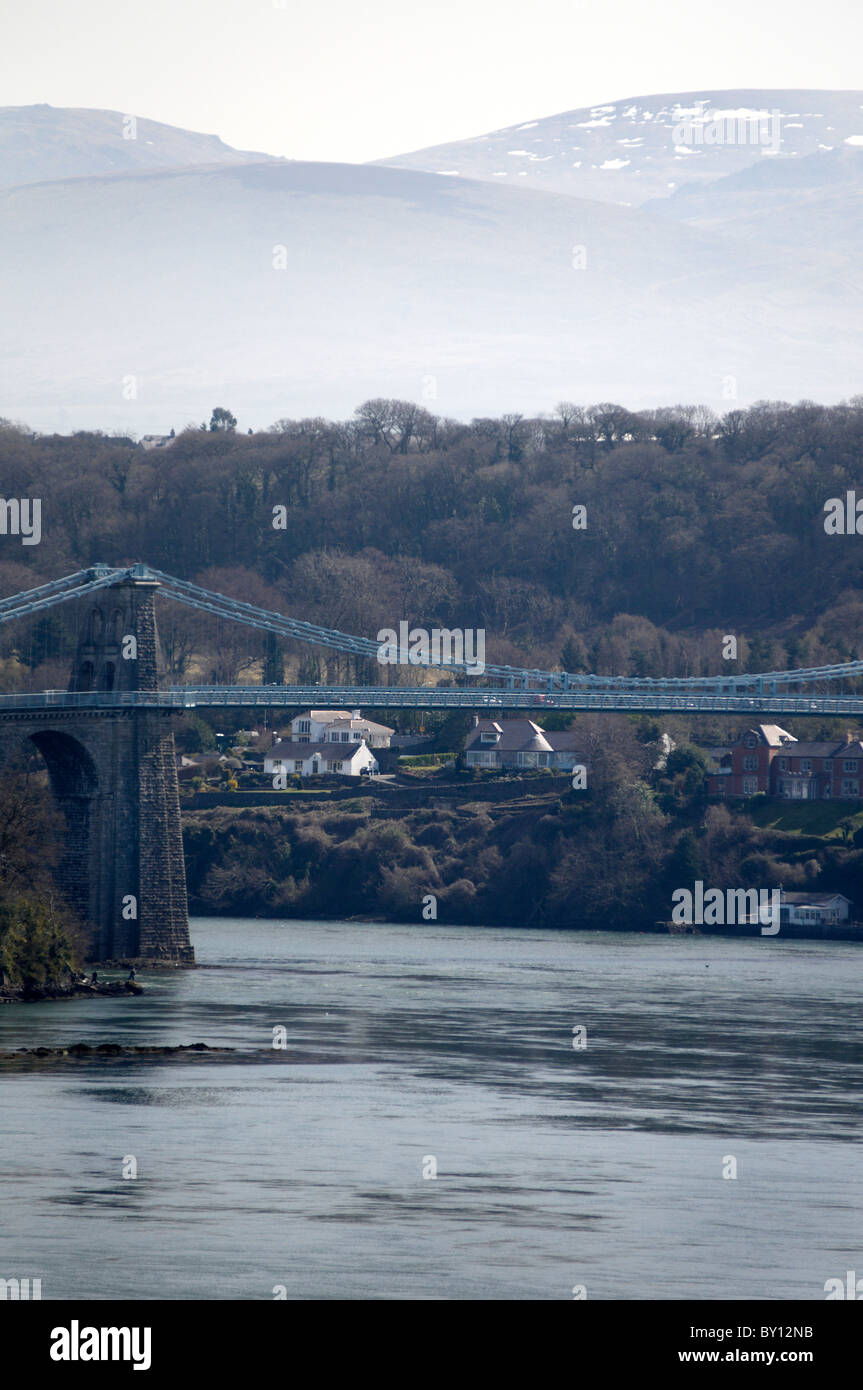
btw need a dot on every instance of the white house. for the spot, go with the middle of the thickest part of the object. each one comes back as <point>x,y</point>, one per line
<point>309,727</point>
<point>813,909</point>
<point>339,726</point>
<point>308,759</point>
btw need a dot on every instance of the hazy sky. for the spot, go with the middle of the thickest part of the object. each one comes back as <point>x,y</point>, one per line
<point>361,79</point>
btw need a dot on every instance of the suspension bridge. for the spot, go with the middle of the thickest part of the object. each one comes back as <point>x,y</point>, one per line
<point>108,745</point>
<point>805,691</point>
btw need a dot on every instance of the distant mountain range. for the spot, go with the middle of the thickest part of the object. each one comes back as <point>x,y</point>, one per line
<point>157,280</point>
<point>649,147</point>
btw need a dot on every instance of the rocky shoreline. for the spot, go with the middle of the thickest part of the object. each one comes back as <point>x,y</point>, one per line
<point>40,994</point>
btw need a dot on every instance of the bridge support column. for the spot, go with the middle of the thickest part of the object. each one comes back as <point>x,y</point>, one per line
<point>114,776</point>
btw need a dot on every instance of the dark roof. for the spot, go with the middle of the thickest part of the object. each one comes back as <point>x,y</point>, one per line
<point>360,723</point>
<point>566,741</point>
<point>538,744</point>
<point>809,750</point>
<point>824,750</point>
<point>520,735</point>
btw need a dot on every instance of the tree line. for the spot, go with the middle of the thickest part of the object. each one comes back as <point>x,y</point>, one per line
<point>696,527</point>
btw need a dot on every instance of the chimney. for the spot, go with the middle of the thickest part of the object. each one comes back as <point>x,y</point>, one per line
<point>475,720</point>
<point>849,737</point>
<point>355,714</point>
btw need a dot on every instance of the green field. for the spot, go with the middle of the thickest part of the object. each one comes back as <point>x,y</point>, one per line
<point>806,818</point>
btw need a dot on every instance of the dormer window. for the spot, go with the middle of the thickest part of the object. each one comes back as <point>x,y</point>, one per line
<point>490,737</point>
<point>751,741</point>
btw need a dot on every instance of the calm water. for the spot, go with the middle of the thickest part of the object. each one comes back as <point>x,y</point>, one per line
<point>555,1167</point>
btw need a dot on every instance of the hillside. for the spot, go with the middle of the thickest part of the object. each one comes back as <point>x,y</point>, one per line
<point>135,301</point>
<point>147,277</point>
<point>627,151</point>
<point>40,143</point>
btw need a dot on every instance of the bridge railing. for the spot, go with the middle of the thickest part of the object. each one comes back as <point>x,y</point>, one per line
<point>633,700</point>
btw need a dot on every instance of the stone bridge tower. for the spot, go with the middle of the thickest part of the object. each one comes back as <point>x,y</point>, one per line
<point>113,773</point>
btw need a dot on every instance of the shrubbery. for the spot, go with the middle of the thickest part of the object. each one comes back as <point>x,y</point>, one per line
<point>35,949</point>
<point>609,857</point>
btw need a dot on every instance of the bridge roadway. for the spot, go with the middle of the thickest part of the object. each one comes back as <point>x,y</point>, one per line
<point>632,701</point>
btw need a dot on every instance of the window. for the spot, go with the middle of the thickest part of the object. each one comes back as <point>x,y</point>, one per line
<point>488,738</point>
<point>298,766</point>
<point>805,764</point>
<point>750,764</point>
<point>304,725</point>
<point>828,764</point>
<point>849,786</point>
<point>750,786</point>
<point>750,741</point>
<point>783,764</point>
<point>336,766</point>
<point>484,759</point>
<point>346,738</point>
<point>849,765</point>
<point>828,788</point>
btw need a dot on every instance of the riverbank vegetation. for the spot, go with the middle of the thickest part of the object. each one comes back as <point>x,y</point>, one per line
<point>606,858</point>
<point>40,939</point>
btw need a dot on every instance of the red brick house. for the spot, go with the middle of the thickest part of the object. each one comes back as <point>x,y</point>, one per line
<point>768,759</point>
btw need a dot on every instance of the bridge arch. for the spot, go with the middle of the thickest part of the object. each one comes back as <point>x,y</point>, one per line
<point>70,766</point>
<point>75,786</point>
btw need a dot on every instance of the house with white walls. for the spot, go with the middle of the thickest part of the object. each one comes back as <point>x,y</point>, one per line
<point>291,756</point>
<point>339,726</point>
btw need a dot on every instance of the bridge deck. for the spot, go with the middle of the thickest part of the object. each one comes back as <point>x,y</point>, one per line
<point>430,697</point>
